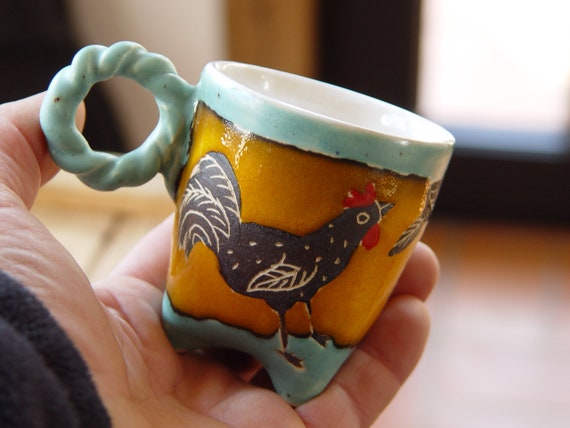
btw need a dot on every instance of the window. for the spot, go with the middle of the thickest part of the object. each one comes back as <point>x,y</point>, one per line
<point>495,72</point>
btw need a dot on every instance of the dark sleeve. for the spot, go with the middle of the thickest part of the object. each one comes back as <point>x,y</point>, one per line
<point>44,382</point>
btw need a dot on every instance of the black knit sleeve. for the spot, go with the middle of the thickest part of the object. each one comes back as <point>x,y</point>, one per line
<point>44,382</point>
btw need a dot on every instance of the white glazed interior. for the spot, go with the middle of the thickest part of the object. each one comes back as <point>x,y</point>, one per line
<point>334,103</point>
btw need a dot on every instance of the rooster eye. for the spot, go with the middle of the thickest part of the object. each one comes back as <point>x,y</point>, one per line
<point>362,218</point>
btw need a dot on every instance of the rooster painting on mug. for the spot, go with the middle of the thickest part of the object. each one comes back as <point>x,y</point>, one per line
<point>286,257</point>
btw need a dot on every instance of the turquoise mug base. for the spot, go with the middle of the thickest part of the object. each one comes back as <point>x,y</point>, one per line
<point>295,384</point>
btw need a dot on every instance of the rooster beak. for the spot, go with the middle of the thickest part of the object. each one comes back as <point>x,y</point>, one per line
<point>384,207</point>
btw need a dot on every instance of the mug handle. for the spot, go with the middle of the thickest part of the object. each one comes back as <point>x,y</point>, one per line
<point>165,150</point>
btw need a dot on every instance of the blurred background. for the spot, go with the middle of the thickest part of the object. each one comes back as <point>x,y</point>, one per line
<point>496,73</point>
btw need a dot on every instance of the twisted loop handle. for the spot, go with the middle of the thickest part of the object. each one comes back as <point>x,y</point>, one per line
<point>165,149</point>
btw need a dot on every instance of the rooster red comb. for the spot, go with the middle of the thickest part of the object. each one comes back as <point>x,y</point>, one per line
<point>361,199</point>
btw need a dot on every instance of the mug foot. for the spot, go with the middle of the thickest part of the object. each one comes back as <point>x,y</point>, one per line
<point>299,373</point>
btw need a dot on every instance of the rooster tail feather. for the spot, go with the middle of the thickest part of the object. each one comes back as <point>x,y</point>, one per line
<point>210,205</point>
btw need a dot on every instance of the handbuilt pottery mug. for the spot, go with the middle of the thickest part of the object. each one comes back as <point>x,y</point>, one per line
<point>298,203</point>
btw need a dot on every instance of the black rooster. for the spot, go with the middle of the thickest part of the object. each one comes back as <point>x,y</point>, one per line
<point>259,261</point>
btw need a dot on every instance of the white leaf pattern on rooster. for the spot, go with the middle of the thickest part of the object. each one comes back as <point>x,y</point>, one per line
<point>280,277</point>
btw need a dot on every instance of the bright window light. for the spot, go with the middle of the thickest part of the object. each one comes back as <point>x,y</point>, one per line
<point>496,64</point>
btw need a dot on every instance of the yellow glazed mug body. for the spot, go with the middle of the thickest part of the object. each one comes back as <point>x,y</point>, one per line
<point>297,204</point>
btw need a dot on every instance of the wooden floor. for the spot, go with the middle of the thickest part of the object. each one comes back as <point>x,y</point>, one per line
<point>499,351</point>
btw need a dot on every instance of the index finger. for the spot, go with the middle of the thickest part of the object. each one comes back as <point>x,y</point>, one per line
<point>26,163</point>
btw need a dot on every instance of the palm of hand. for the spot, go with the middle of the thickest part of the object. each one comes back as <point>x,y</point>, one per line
<point>116,324</point>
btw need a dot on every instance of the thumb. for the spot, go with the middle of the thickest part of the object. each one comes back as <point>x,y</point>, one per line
<point>25,163</point>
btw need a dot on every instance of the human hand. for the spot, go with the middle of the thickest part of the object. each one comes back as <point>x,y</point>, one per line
<point>115,324</point>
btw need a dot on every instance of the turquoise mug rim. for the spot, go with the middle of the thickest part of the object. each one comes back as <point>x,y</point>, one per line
<point>342,123</point>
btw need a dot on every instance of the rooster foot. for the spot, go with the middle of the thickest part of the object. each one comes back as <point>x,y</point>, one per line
<point>321,338</point>
<point>293,359</point>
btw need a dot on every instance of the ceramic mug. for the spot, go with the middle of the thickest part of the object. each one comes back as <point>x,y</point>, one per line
<point>298,203</point>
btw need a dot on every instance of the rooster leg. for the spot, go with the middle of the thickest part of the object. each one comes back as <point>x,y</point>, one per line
<point>283,330</point>
<point>291,358</point>
<point>320,338</point>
